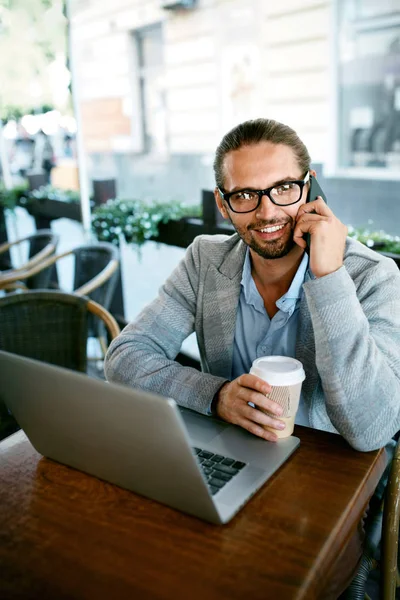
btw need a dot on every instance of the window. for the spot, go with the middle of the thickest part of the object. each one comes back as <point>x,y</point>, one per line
<point>150,62</point>
<point>368,77</point>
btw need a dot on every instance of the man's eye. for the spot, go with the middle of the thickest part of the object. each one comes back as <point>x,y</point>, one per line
<point>244,196</point>
<point>284,188</point>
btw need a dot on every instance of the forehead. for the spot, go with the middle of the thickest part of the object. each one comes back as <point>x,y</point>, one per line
<point>259,165</point>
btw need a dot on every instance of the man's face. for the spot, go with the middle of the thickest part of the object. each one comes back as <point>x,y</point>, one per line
<point>258,167</point>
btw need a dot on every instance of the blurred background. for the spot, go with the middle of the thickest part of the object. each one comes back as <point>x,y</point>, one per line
<point>126,101</point>
<point>161,81</point>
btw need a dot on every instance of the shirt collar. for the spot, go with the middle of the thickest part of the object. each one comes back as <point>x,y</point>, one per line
<point>250,291</point>
<point>294,292</point>
<point>246,273</point>
<point>288,301</point>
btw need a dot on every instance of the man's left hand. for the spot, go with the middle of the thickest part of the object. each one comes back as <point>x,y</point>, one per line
<point>327,236</point>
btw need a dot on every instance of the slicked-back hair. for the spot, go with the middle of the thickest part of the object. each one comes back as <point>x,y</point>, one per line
<point>256,131</point>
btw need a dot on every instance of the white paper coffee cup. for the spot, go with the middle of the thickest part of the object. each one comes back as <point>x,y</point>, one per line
<point>285,375</point>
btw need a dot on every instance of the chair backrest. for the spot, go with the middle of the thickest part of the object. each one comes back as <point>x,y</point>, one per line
<point>5,261</point>
<point>46,325</point>
<point>95,275</point>
<point>40,239</point>
<point>90,260</point>
<point>40,245</point>
<point>37,244</point>
<point>50,326</point>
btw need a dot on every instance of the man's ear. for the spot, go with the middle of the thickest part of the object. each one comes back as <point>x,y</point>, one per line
<point>313,173</point>
<point>220,204</point>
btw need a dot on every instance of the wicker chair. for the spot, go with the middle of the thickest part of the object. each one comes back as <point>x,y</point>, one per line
<point>390,578</point>
<point>95,275</point>
<point>381,538</point>
<point>95,266</point>
<point>40,245</point>
<point>50,326</point>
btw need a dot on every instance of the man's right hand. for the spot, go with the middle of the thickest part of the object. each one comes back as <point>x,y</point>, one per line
<point>232,406</point>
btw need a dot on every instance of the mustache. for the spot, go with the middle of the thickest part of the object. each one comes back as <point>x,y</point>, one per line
<point>270,223</point>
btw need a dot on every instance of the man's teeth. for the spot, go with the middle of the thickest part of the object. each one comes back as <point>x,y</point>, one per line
<point>272,229</point>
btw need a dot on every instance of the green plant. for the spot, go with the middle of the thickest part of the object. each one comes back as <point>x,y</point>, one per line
<point>48,192</point>
<point>9,199</point>
<point>135,220</point>
<point>15,113</point>
<point>11,113</point>
<point>392,246</point>
<point>377,240</point>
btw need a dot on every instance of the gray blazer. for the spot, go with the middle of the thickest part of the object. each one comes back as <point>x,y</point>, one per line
<point>348,338</point>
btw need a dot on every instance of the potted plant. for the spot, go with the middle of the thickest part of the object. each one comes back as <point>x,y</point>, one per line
<point>139,221</point>
<point>51,202</point>
<point>380,241</point>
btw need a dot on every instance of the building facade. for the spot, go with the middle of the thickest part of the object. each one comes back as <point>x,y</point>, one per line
<point>160,81</point>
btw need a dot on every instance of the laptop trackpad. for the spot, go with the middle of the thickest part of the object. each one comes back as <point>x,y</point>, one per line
<point>201,427</point>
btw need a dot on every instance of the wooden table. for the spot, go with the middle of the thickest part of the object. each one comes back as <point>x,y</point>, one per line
<point>66,535</point>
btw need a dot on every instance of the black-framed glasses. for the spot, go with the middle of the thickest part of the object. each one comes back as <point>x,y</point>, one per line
<point>284,194</point>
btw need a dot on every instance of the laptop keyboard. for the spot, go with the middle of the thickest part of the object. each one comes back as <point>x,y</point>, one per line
<point>218,469</point>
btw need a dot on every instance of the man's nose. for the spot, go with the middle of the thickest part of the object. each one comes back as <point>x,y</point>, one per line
<point>266,209</point>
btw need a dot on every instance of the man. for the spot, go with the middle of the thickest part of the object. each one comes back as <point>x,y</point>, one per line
<point>258,292</point>
<point>44,154</point>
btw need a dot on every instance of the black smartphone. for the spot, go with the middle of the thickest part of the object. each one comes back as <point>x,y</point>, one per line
<point>314,191</point>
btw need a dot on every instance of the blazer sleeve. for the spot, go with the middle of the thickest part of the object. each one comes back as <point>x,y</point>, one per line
<point>143,355</point>
<point>356,322</point>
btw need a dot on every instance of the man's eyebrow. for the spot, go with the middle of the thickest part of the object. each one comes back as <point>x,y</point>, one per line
<point>253,189</point>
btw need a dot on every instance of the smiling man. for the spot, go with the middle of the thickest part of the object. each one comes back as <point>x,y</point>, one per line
<point>258,292</point>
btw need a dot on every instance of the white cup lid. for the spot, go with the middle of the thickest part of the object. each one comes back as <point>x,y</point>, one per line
<point>278,370</point>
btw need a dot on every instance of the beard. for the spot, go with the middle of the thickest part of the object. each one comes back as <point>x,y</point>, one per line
<point>269,249</point>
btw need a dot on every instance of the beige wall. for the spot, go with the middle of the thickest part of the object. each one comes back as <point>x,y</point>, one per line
<point>225,61</point>
<point>296,67</point>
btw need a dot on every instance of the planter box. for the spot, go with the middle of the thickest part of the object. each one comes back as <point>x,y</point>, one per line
<point>54,209</point>
<point>182,233</point>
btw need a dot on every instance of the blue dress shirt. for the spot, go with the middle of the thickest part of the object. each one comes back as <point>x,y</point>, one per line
<point>257,335</point>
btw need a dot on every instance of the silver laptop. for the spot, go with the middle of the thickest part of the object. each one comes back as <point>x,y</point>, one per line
<point>139,441</point>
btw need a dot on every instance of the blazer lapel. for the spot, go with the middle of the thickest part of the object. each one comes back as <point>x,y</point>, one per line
<point>305,347</point>
<point>221,298</point>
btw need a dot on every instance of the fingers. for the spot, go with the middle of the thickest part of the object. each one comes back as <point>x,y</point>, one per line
<point>310,218</point>
<point>263,402</point>
<point>248,380</point>
<point>253,389</point>
<point>260,418</point>
<point>299,231</point>
<point>317,206</point>
<point>308,223</point>
<point>328,237</point>
<point>232,406</point>
<point>257,430</point>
